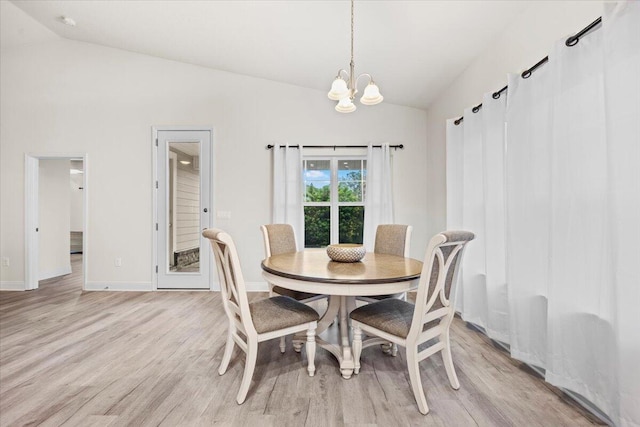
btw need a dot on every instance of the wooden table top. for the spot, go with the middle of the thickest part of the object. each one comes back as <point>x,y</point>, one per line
<point>314,265</point>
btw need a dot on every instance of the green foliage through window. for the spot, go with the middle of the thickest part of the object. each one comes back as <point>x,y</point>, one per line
<point>334,188</point>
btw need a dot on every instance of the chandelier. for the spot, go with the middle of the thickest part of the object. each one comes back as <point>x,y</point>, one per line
<point>344,89</point>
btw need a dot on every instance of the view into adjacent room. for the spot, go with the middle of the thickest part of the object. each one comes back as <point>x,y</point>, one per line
<point>60,221</point>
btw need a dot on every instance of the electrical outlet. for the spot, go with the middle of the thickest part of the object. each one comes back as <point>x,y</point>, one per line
<point>118,262</point>
<point>224,215</point>
<point>6,262</point>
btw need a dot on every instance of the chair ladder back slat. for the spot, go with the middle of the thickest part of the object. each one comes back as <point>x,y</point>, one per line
<point>430,351</point>
<point>235,299</point>
<point>230,278</point>
<point>437,282</point>
<point>434,293</point>
<point>227,287</point>
<point>439,313</point>
<point>452,261</point>
<point>431,333</point>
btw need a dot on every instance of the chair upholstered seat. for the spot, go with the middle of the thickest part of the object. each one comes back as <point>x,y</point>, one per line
<point>393,316</point>
<point>296,295</point>
<point>280,312</point>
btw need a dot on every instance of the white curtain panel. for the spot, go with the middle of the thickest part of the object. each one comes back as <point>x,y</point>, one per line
<point>580,309</point>
<point>596,189</point>
<point>454,152</point>
<point>378,203</point>
<point>474,294</point>
<point>475,201</point>
<point>288,189</point>
<point>493,137</point>
<point>455,145</point>
<point>528,186</point>
<point>621,33</point>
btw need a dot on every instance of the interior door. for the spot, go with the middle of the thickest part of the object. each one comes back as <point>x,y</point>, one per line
<point>183,209</point>
<point>32,165</point>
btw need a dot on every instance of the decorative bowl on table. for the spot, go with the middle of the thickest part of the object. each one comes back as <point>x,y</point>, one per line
<point>346,252</point>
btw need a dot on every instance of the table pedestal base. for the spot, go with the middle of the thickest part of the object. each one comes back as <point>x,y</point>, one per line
<point>340,306</point>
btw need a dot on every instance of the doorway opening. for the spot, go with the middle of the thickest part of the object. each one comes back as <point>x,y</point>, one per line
<point>56,194</point>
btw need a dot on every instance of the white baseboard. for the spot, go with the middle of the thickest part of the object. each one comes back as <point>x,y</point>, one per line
<point>125,286</point>
<point>7,285</point>
<point>119,286</point>
<point>55,273</point>
<point>257,286</point>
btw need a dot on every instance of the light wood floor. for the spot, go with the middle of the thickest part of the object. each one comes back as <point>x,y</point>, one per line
<point>77,358</point>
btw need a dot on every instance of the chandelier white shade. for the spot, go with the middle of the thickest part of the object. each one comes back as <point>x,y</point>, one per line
<point>344,87</point>
<point>371,95</point>
<point>339,89</point>
<point>345,105</point>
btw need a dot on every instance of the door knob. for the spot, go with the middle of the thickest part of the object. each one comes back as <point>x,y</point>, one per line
<point>206,210</point>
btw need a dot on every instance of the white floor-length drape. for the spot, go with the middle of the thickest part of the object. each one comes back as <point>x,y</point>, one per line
<point>288,189</point>
<point>570,171</point>
<point>528,186</point>
<point>493,136</point>
<point>621,33</point>
<point>378,202</point>
<point>474,295</point>
<point>455,176</point>
<point>475,201</point>
<point>596,109</point>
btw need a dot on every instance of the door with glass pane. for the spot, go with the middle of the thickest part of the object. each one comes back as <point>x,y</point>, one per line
<point>183,209</point>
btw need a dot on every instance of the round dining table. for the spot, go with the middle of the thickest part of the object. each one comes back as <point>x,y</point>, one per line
<point>311,270</point>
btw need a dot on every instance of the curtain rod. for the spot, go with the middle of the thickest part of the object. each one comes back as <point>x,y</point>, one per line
<point>395,147</point>
<point>570,42</point>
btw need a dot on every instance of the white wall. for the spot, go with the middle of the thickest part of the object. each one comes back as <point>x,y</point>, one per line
<point>66,96</point>
<point>524,42</point>
<point>54,214</point>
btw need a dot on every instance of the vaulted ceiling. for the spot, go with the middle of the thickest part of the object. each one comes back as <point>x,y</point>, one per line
<point>413,49</point>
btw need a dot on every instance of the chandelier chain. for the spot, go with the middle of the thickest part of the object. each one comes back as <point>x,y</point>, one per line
<point>351,30</point>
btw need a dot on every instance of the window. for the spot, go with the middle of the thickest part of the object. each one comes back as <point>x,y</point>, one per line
<point>333,200</point>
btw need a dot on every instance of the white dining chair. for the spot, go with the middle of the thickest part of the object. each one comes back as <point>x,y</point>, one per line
<point>391,239</point>
<point>281,239</point>
<point>252,323</point>
<point>411,325</point>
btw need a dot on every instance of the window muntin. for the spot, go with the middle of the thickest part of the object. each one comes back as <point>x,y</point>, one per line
<point>334,200</point>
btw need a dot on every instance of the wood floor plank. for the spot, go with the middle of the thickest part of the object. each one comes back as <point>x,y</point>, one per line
<point>75,358</point>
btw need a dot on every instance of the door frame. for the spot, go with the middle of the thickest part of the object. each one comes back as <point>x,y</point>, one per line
<point>31,208</point>
<point>213,284</point>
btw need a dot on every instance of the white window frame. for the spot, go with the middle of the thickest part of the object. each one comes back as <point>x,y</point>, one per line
<point>334,204</point>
